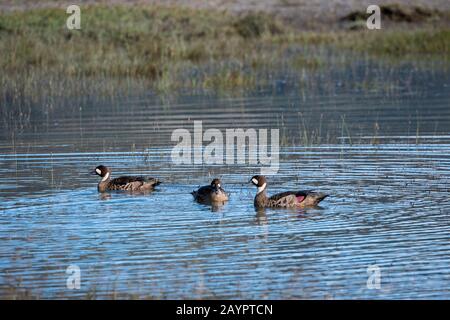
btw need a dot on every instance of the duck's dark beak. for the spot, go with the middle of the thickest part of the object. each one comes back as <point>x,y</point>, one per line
<point>93,172</point>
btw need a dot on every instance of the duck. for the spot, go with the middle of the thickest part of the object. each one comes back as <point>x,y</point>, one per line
<point>288,199</point>
<point>211,194</point>
<point>126,183</point>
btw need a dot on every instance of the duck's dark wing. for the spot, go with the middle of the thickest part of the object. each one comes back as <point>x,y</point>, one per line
<point>297,196</point>
<point>202,193</point>
<point>135,183</point>
<point>127,179</point>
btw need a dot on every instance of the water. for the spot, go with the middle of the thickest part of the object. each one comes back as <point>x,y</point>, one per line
<point>384,161</point>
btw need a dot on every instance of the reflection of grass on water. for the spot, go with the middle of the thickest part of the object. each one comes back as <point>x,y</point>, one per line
<point>124,49</point>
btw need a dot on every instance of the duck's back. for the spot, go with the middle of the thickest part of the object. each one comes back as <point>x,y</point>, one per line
<point>296,198</point>
<point>203,194</point>
<point>208,194</point>
<point>131,183</point>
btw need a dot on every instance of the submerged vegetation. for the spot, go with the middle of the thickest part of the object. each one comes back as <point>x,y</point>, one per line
<point>123,49</point>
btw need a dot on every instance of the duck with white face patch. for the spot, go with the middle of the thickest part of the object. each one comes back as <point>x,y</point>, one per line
<point>288,199</point>
<point>125,183</point>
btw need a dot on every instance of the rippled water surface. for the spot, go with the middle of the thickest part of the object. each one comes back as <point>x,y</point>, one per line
<point>385,162</point>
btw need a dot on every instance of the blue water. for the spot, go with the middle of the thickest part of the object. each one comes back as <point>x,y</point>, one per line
<point>384,160</point>
<point>388,207</point>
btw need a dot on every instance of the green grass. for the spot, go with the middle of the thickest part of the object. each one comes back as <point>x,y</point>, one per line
<point>125,41</point>
<point>124,49</point>
<point>398,43</point>
<point>148,42</point>
<point>390,43</point>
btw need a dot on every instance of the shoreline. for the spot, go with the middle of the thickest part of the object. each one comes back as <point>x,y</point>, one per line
<point>314,15</point>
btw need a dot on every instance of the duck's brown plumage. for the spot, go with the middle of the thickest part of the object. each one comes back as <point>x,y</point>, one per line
<point>211,194</point>
<point>288,199</point>
<point>126,183</point>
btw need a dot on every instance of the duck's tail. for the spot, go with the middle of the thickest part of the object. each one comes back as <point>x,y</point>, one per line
<point>314,198</point>
<point>153,181</point>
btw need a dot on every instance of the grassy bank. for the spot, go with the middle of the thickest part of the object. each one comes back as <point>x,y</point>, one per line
<point>123,48</point>
<point>151,41</point>
<point>122,41</point>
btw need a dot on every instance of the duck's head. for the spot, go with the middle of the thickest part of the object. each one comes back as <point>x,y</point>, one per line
<point>102,171</point>
<point>216,184</point>
<point>260,182</point>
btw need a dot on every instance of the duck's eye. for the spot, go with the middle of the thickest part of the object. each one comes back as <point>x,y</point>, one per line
<point>255,181</point>
<point>98,171</point>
